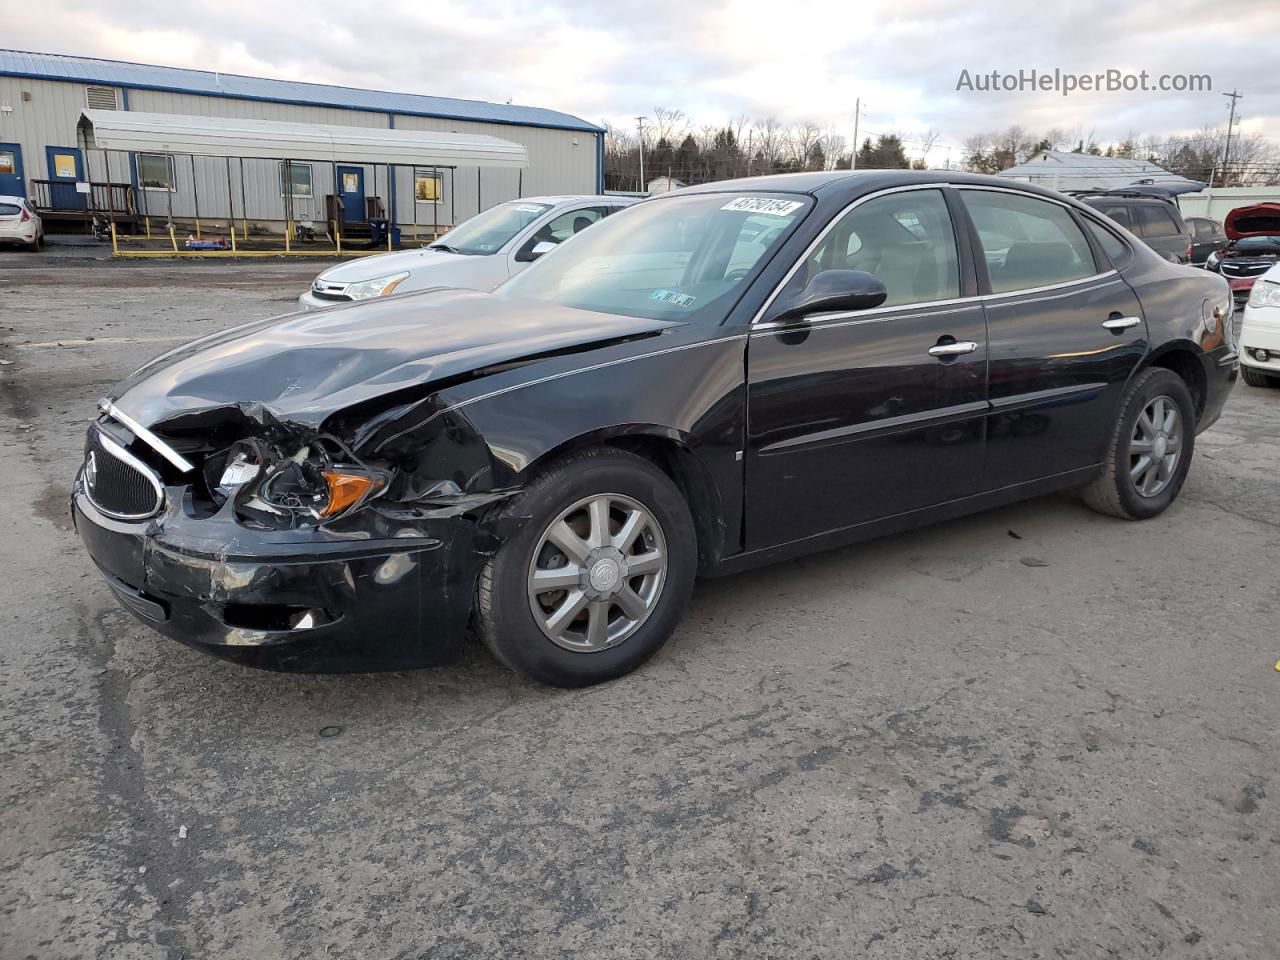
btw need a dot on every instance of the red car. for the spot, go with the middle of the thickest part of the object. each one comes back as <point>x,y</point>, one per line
<point>1254,235</point>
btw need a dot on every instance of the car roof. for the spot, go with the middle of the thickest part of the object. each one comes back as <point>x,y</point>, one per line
<point>5,199</point>
<point>573,198</point>
<point>856,182</point>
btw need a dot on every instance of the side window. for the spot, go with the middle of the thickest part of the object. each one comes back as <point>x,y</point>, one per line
<point>1111,245</point>
<point>906,239</point>
<point>1157,221</point>
<point>561,228</point>
<point>575,221</point>
<point>1206,228</point>
<point>1028,242</point>
<point>1120,214</point>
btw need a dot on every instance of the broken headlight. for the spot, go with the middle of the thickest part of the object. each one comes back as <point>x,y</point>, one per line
<point>321,481</point>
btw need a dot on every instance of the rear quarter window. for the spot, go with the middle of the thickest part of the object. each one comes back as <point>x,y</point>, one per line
<point>1117,250</point>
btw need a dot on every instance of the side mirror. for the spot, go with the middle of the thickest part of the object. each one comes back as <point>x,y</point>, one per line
<point>538,249</point>
<point>834,290</point>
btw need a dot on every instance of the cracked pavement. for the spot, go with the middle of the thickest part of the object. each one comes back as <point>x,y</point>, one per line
<point>952,743</point>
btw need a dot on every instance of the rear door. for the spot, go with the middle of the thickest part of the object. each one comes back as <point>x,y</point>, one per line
<point>857,416</point>
<point>12,181</point>
<point>1065,334</point>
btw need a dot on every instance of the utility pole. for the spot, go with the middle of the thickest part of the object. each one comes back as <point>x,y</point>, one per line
<point>640,123</point>
<point>1231,122</point>
<point>857,112</point>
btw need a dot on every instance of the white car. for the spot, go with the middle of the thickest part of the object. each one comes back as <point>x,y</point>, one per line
<point>478,254</point>
<point>1260,332</point>
<point>19,223</point>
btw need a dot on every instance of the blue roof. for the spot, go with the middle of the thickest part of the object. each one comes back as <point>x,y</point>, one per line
<point>141,76</point>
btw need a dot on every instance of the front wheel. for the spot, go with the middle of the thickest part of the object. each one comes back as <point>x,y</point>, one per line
<point>1149,452</point>
<point>596,580</point>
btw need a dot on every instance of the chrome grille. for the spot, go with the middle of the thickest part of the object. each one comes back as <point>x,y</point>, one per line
<point>1245,268</point>
<point>118,483</point>
<point>324,290</point>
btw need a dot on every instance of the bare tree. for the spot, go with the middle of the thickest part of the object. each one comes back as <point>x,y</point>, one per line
<point>669,125</point>
<point>769,145</point>
<point>800,142</point>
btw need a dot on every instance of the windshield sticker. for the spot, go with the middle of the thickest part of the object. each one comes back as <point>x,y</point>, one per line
<point>671,296</point>
<point>776,208</point>
<point>528,208</point>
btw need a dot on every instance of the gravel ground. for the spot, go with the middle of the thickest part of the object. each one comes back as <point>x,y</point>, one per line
<point>1035,732</point>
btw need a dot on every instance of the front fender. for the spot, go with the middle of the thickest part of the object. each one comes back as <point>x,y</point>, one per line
<point>495,433</point>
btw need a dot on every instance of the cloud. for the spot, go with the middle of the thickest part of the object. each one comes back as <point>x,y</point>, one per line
<point>806,60</point>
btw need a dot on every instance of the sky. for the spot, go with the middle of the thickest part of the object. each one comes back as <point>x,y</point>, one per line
<point>799,61</point>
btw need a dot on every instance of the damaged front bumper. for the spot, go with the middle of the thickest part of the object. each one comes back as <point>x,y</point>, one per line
<point>388,591</point>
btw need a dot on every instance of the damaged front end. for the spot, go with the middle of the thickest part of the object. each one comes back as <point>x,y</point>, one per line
<point>279,545</point>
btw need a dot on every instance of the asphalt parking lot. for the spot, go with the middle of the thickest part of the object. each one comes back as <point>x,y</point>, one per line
<point>1036,732</point>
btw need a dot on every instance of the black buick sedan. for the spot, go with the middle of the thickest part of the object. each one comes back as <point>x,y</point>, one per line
<point>713,379</point>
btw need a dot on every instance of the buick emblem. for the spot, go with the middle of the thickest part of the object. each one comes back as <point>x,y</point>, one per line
<point>91,470</point>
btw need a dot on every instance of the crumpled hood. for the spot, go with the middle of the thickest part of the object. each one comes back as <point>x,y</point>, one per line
<point>385,264</point>
<point>1255,220</point>
<point>304,367</point>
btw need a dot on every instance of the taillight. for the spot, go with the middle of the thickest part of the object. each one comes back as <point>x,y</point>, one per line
<point>1188,251</point>
<point>25,216</point>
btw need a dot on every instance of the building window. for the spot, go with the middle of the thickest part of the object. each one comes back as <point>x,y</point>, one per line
<point>300,173</point>
<point>426,186</point>
<point>8,162</point>
<point>156,171</point>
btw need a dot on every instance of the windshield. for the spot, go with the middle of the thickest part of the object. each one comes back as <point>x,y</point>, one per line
<point>486,233</point>
<point>679,258</point>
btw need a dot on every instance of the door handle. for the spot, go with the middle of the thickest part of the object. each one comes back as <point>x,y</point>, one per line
<point>953,349</point>
<point>1116,324</point>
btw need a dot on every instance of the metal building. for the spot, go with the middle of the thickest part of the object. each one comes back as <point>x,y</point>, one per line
<point>42,97</point>
<point>1060,170</point>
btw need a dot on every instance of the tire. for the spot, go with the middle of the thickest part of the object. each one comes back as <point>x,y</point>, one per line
<point>1115,492</point>
<point>583,652</point>
<point>1256,378</point>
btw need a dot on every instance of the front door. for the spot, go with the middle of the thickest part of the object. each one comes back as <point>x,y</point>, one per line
<point>1066,332</point>
<point>12,182</point>
<point>65,168</point>
<point>856,417</point>
<point>351,190</point>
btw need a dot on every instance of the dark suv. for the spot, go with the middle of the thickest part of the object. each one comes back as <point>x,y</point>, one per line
<point>1156,220</point>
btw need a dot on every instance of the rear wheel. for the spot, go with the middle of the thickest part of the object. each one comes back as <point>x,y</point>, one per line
<point>1150,449</point>
<point>1256,378</point>
<point>595,582</point>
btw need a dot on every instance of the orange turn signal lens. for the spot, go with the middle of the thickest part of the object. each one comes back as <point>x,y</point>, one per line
<point>345,488</point>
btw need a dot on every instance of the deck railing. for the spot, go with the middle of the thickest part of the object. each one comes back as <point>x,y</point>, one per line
<point>60,197</point>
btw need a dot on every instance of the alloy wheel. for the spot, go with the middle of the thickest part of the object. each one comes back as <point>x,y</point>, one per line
<point>1155,447</point>
<point>597,573</point>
